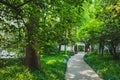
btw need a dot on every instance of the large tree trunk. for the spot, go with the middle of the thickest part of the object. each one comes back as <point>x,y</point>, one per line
<point>32,58</point>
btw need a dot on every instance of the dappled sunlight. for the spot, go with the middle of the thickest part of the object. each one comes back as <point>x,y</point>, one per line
<point>88,73</point>
<point>51,62</point>
<point>71,75</point>
<point>77,69</point>
<point>82,75</point>
<point>76,60</point>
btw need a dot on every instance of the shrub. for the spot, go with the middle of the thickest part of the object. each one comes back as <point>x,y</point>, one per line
<point>105,66</point>
<point>53,68</point>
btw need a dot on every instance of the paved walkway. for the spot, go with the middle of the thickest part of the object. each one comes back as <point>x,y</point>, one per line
<point>77,69</point>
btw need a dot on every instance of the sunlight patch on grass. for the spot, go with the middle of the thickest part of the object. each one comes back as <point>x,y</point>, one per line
<point>51,62</point>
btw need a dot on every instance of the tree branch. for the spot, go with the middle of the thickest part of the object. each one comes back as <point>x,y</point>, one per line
<point>8,4</point>
<point>24,3</point>
<point>12,6</point>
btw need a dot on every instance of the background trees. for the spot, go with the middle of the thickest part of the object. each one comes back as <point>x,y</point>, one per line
<point>99,24</point>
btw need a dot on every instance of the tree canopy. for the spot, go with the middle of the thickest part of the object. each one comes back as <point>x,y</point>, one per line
<point>37,27</point>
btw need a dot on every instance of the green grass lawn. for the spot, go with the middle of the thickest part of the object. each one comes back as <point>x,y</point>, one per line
<point>53,68</point>
<point>106,66</point>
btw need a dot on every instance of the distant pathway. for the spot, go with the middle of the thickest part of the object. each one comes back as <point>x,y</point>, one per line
<point>77,69</point>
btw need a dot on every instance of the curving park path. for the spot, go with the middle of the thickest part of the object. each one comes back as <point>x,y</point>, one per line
<point>78,69</point>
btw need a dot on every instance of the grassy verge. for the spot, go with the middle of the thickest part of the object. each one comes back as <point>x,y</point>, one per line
<point>106,66</point>
<point>53,68</point>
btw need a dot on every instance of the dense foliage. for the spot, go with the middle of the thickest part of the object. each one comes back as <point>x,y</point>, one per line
<point>38,27</point>
<point>100,24</point>
<point>100,31</point>
<point>53,66</point>
<point>106,67</point>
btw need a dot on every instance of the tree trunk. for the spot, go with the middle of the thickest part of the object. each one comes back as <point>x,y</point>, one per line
<point>113,50</point>
<point>110,50</point>
<point>92,48</point>
<point>101,48</point>
<point>32,58</point>
<point>59,47</point>
<point>75,49</point>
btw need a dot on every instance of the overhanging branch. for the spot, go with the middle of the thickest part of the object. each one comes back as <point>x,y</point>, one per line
<point>24,3</point>
<point>12,5</point>
<point>8,4</point>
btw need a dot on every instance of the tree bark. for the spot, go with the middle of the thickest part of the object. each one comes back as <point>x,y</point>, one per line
<point>59,47</point>
<point>113,50</point>
<point>32,58</point>
<point>75,49</point>
<point>101,48</point>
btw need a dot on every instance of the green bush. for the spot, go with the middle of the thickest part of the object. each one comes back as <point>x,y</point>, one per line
<point>15,72</point>
<point>53,68</point>
<point>50,48</point>
<point>105,66</point>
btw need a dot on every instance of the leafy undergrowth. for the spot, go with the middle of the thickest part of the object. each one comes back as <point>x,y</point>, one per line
<point>53,68</point>
<point>106,66</point>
